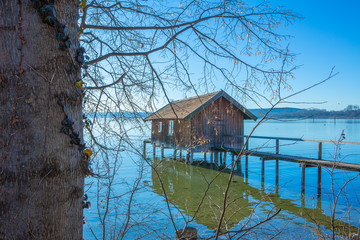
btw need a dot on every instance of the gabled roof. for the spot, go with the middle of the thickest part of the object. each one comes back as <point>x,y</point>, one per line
<point>189,107</point>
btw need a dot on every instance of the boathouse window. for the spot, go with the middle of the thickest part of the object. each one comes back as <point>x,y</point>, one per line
<point>160,127</point>
<point>171,128</point>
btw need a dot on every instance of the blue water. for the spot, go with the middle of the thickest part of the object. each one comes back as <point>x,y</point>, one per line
<point>147,215</point>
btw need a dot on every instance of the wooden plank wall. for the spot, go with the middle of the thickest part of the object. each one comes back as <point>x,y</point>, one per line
<point>180,138</point>
<point>211,124</point>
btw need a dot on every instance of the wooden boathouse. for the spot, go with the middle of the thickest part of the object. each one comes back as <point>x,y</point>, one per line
<point>214,123</point>
<point>199,124</point>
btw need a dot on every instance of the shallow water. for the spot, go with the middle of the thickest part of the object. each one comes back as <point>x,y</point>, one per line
<point>251,201</point>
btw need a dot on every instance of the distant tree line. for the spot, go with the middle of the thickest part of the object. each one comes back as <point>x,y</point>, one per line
<point>351,111</point>
<point>352,108</point>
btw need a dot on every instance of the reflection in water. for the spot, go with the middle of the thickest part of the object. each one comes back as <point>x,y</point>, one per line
<point>186,185</point>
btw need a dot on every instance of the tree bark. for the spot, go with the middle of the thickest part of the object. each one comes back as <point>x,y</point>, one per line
<point>41,176</point>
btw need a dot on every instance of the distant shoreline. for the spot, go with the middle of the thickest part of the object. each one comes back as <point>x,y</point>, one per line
<point>298,113</point>
<point>299,118</point>
<point>277,113</point>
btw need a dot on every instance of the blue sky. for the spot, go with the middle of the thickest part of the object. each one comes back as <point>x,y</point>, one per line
<point>328,36</point>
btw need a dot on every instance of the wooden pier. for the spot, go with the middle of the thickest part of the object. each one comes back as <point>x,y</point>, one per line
<point>220,153</point>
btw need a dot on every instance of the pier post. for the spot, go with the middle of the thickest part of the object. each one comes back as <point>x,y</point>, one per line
<point>319,170</point>
<point>262,170</point>
<point>302,180</point>
<point>144,151</point>
<point>277,167</point>
<point>191,156</point>
<point>216,158</point>
<point>246,167</point>
<point>233,160</point>
<point>277,173</point>
<point>319,183</point>
<point>180,157</point>
<point>246,162</point>
<point>204,156</point>
<point>320,150</point>
<point>225,153</point>
<point>154,151</point>
<point>162,151</point>
<point>187,159</point>
<point>211,157</point>
<point>238,167</point>
<point>175,153</point>
<point>221,159</point>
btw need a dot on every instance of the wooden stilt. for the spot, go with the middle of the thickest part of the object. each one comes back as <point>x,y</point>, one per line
<point>211,157</point>
<point>246,167</point>
<point>187,156</point>
<point>180,157</point>
<point>262,170</point>
<point>319,183</point>
<point>204,156</point>
<point>175,153</point>
<point>191,156</point>
<point>320,150</point>
<point>277,172</point>
<point>262,174</point>
<point>246,163</point>
<point>302,179</point>
<point>162,151</point>
<point>144,151</point>
<point>154,151</point>
<point>216,158</point>
<point>238,167</point>
<point>319,170</point>
<point>225,153</point>
<point>221,159</point>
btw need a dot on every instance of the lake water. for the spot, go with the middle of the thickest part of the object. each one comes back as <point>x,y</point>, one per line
<point>250,201</point>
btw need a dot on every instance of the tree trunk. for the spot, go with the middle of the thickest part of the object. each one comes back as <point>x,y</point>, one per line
<point>41,172</point>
